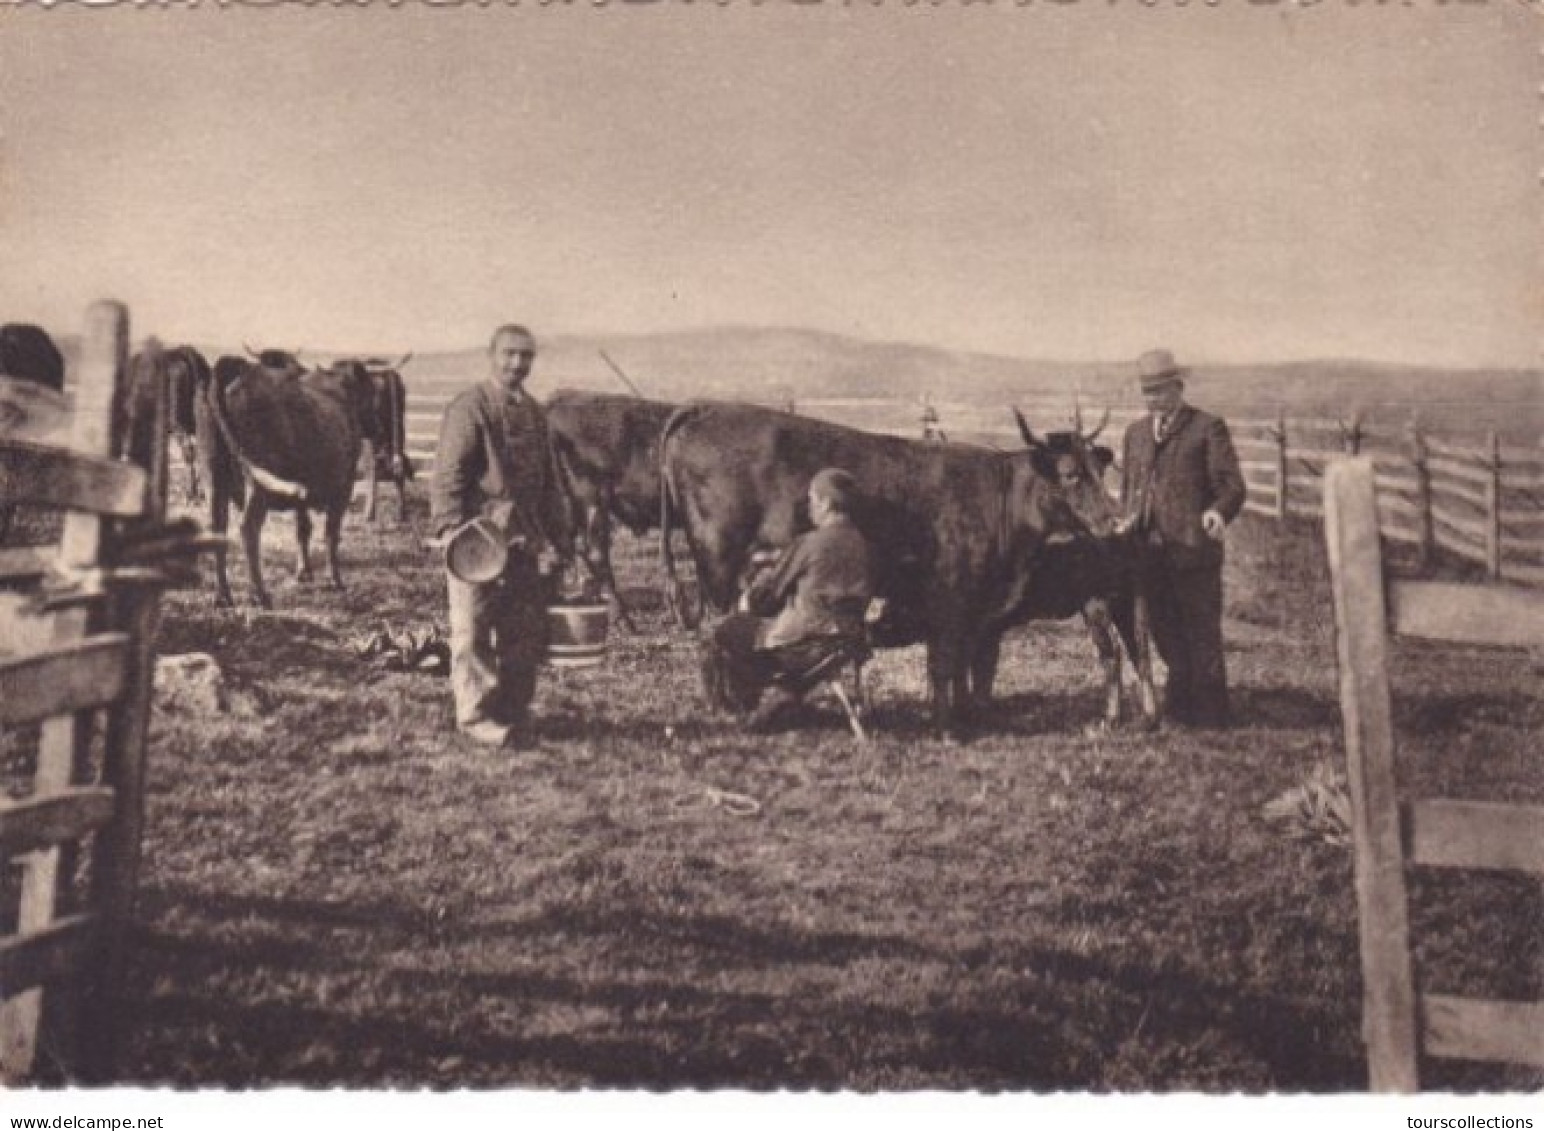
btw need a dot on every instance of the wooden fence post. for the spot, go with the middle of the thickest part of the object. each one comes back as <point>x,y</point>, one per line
<point>1423,520</point>
<point>1356,581</point>
<point>1281,465</point>
<point>1493,504</point>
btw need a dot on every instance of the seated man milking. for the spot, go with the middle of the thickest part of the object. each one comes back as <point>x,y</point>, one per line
<point>810,602</point>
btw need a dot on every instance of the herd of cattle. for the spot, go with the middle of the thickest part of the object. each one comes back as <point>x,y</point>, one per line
<point>969,541</point>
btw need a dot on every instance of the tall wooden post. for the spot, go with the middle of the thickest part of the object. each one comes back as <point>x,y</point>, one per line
<point>1425,537</point>
<point>1356,573</point>
<point>1281,465</point>
<point>1493,504</point>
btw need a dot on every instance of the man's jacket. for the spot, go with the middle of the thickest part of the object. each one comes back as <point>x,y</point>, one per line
<point>494,461</point>
<point>1166,487</point>
<point>819,587</point>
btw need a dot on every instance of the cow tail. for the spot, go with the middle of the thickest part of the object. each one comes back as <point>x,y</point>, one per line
<point>264,479</point>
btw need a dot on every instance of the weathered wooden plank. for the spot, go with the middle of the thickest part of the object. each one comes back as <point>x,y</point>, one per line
<point>77,677</point>
<point>1356,568</point>
<point>1475,1029</point>
<point>1472,527</point>
<point>33,412</point>
<point>34,958</point>
<point>1522,572</point>
<point>1454,449</point>
<point>1457,613</point>
<point>1513,517</point>
<point>17,563</point>
<point>116,850</point>
<point>1513,454</point>
<point>1395,505</point>
<point>1448,465</point>
<point>40,822</point>
<point>56,477</point>
<point>1445,833</point>
<point>1459,489</point>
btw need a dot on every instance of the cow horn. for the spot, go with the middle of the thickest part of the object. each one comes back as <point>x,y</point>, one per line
<point>407,357</point>
<point>1098,428</point>
<point>250,351</point>
<point>1030,440</point>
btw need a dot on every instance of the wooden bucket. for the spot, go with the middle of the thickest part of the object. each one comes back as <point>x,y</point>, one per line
<point>576,634</point>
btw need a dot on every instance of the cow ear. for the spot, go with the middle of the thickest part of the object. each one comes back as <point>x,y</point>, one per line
<point>1030,440</point>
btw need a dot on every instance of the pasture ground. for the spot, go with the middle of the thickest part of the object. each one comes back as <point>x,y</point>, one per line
<point>339,890</point>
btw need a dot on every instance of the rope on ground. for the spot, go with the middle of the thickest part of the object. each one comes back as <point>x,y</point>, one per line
<point>735,804</point>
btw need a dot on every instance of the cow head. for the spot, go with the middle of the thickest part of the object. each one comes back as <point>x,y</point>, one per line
<point>360,391</point>
<point>280,361</point>
<point>1074,466</point>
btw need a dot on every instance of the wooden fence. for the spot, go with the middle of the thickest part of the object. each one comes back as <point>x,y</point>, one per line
<point>76,664</point>
<point>1401,1024</point>
<point>1480,499</point>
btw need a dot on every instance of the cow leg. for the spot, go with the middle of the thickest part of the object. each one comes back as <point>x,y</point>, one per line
<point>983,669</point>
<point>251,542</point>
<point>370,480</point>
<point>188,446</point>
<point>597,551</point>
<point>946,671</point>
<point>1096,616</point>
<point>400,476</point>
<point>302,544</point>
<point>219,523</point>
<point>1131,619</point>
<point>333,534</point>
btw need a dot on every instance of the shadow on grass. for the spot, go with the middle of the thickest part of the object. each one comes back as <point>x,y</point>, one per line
<point>1030,1017</point>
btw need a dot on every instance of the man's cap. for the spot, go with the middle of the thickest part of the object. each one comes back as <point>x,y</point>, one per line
<point>1157,368</point>
<point>835,484</point>
<point>514,329</point>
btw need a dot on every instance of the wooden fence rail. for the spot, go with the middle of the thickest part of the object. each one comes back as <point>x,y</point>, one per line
<point>1480,500</point>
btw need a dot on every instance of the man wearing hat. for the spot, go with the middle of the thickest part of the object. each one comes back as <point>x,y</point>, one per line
<point>1180,487</point>
<point>812,597</point>
<point>494,464</point>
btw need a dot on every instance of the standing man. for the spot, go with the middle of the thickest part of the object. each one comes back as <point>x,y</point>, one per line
<point>811,599</point>
<point>493,462</point>
<point>1180,487</point>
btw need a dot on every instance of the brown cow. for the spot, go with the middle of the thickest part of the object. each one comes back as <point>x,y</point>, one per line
<point>958,531</point>
<point>276,439</point>
<point>607,449</point>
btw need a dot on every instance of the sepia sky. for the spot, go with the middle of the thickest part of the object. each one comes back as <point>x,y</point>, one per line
<point>1239,182</point>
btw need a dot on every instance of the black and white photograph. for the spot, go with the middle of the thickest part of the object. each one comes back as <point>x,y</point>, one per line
<point>841,548</point>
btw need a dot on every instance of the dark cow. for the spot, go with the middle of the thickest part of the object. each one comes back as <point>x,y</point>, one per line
<point>388,458</point>
<point>958,531</point>
<point>607,451</point>
<point>186,372</point>
<point>27,353</point>
<point>276,439</point>
<point>1097,576</point>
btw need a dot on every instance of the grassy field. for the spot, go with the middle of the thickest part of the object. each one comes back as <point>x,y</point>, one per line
<point>339,890</point>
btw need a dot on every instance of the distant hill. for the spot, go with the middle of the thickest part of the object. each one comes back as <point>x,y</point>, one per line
<point>783,365</point>
<point>777,365</point>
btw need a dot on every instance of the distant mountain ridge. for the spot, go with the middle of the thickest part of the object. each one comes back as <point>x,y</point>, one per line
<point>778,365</point>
